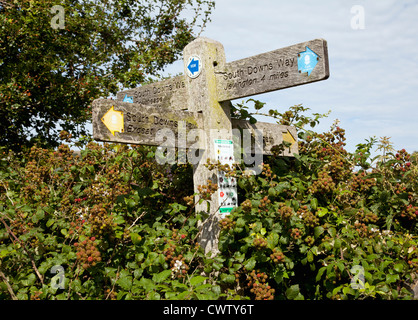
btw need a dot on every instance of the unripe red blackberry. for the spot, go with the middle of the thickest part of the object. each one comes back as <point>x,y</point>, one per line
<point>259,287</point>
<point>87,253</point>
<point>277,256</point>
<point>260,243</point>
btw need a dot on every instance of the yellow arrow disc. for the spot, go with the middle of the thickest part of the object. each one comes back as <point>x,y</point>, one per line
<point>113,120</point>
<point>287,136</point>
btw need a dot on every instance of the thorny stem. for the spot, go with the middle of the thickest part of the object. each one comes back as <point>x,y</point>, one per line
<point>24,248</point>
<point>9,288</point>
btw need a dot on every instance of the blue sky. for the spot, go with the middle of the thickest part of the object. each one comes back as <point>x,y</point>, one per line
<point>373,84</point>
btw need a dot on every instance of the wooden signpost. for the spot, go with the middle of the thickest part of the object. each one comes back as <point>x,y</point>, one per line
<point>139,124</point>
<point>200,101</point>
<point>134,123</point>
<point>170,93</point>
<point>275,70</point>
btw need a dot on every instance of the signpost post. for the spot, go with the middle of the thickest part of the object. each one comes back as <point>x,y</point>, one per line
<point>195,108</point>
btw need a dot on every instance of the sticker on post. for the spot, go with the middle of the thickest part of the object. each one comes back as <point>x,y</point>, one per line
<point>128,99</point>
<point>194,66</point>
<point>113,120</point>
<point>227,186</point>
<point>307,60</point>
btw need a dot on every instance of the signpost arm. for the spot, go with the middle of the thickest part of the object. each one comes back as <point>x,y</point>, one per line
<point>205,90</point>
<point>202,97</point>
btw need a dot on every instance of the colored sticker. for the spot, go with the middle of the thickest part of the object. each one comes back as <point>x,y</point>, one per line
<point>307,60</point>
<point>128,99</point>
<point>194,66</point>
<point>227,186</point>
<point>113,120</point>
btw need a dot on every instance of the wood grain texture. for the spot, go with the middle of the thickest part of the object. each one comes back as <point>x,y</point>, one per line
<point>141,123</point>
<point>270,71</point>
<point>272,136</point>
<point>170,93</point>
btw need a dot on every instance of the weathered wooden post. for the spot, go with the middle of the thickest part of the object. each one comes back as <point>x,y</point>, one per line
<point>202,98</point>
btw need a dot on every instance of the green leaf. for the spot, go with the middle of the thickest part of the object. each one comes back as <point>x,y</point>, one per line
<point>177,284</point>
<point>240,222</point>
<point>176,207</point>
<point>119,219</point>
<point>272,240</point>
<point>310,256</point>
<point>239,256</point>
<point>337,243</point>
<point>293,292</point>
<point>197,279</point>
<point>264,183</point>
<point>29,281</point>
<point>217,266</point>
<point>348,290</point>
<point>318,231</point>
<point>280,275</point>
<point>162,276</point>
<point>321,211</point>
<point>282,186</point>
<point>398,267</point>
<point>392,278</point>
<point>332,232</point>
<point>204,286</point>
<point>136,238</point>
<point>320,273</point>
<point>76,286</point>
<point>130,203</point>
<point>4,253</point>
<point>182,296</point>
<point>21,295</point>
<point>125,282</point>
<point>257,104</point>
<point>227,278</point>
<point>26,208</point>
<point>314,203</point>
<point>147,284</point>
<point>50,222</point>
<point>340,265</point>
<point>40,214</point>
<point>250,264</point>
<point>295,204</point>
<point>389,244</point>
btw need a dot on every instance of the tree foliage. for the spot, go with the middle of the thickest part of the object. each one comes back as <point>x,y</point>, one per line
<point>111,223</point>
<point>49,75</point>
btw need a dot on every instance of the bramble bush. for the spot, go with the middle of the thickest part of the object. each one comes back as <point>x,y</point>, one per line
<point>325,224</point>
<point>101,47</point>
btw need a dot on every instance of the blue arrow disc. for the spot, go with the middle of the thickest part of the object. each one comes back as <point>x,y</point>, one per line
<point>307,60</point>
<point>128,99</point>
<point>194,67</point>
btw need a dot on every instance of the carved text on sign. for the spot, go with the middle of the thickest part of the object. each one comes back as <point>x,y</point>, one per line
<point>272,70</point>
